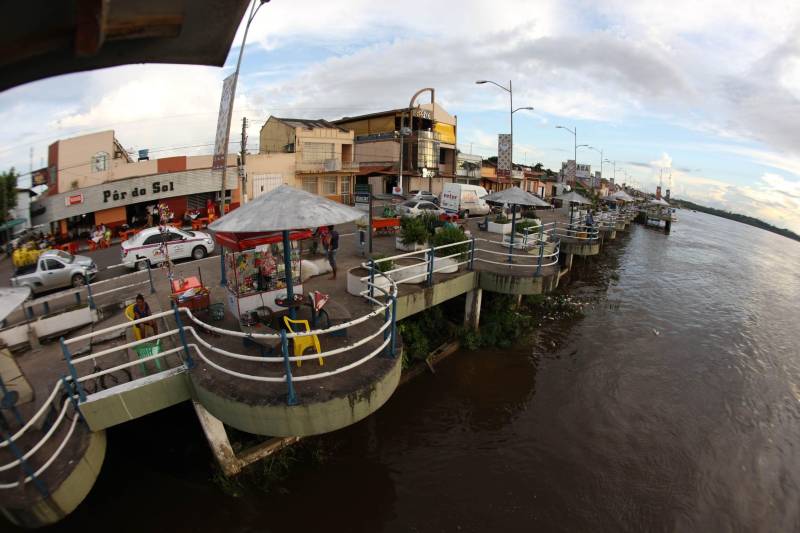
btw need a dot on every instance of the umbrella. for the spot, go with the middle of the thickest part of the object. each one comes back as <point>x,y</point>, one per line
<point>11,298</point>
<point>573,198</point>
<point>658,201</point>
<point>515,196</point>
<point>621,195</point>
<point>284,209</point>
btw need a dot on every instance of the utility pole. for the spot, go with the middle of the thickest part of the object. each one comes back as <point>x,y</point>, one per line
<point>242,156</point>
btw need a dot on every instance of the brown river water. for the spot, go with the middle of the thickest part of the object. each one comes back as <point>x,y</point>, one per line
<point>673,404</point>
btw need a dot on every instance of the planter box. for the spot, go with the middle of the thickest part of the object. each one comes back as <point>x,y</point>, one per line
<point>502,229</point>
<point>414,247</point>
<point>355,286</point>
<point>447,265</point>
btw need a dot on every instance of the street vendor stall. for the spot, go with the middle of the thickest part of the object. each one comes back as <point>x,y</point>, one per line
<point>256,269</point>
<point>259,239</point>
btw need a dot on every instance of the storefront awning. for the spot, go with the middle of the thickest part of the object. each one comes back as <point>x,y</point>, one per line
<point>247,241</point>
<point>12,223</point>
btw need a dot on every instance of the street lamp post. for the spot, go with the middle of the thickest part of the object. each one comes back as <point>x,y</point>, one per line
<point>511,109</point>
<point>599,151</point>
<point>253,10</point>
<point>574,133</point>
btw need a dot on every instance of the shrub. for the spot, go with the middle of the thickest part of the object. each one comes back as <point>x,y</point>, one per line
<point>450,235</point>
<point>431,222</point>
<point>413,231</point>
<point>383,266</point>
<point>500,218</point>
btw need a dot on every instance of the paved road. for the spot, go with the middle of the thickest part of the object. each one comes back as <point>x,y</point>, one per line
<point>104,258</point>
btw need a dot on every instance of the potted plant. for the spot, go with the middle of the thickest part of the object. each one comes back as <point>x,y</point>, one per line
<point>501,224</point>
<point>413,235</point>
<point>357,277</point>
<point>449,235</point>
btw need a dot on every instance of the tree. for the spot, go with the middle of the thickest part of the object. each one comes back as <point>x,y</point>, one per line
<point>8,192</point>
<point>538,167</point>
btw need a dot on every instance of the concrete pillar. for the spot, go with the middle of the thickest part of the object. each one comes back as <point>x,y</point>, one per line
<point>568,261</point>
<point>472,308</point>
<point>217,438</point>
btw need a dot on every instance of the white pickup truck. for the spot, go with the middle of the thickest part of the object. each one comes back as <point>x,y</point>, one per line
<point>55,269</point>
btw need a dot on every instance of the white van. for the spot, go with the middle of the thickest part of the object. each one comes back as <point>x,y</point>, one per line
<point>466,199</point>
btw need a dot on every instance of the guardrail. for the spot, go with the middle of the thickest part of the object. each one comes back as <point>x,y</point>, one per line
<point>73,391</point>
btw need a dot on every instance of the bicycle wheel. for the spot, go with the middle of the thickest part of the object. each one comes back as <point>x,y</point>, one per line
<point>112,379</point>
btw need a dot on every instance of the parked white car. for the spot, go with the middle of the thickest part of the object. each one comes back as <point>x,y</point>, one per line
<point>415,208</point>
<point>146,246</point>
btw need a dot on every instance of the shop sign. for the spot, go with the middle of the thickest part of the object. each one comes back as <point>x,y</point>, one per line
<point>423,114</point>
<point>362,196</point>
<point>74,199</point>
<point>136,192</point>
<point>40,177</point>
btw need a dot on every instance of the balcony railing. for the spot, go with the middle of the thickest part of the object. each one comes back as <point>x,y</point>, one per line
<point>327,165</point>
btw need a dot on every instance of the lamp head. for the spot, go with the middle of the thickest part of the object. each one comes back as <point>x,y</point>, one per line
<point>481,81</point>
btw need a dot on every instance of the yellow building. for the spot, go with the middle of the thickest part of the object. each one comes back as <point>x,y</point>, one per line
<point>428,139</point>
<point>314,155</point>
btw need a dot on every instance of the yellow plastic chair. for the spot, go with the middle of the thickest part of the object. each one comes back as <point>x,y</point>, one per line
<point>301,343</point>
<point>137,333</point>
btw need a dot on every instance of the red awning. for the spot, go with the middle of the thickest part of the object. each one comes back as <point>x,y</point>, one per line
<point>248,241</point>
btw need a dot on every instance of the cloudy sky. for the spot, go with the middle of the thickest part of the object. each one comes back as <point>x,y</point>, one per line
<point>709,90</point>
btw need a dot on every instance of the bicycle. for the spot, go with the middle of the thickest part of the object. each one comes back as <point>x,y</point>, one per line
<point>91,386</point>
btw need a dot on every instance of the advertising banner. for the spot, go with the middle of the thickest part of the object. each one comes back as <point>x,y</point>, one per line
<point>504,154</point>
<point>223,122</point>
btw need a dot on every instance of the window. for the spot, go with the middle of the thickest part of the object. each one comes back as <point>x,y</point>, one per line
<point>442,158</point>
<point>52,264</point>
<point>427,206</point>
<point>310,184</point>
<point>329,185</point>
<point>345,185</point>
<point>100,162</point>
<point>318,152</point>
<point>152,239</point>
<point>174,237</point>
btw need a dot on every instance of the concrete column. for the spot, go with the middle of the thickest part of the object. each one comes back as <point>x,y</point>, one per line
<point>218,440</point>
<point>472,308</point>
<point>568,262</point>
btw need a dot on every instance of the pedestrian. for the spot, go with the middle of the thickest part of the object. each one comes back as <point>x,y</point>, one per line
<point>589,219</point>
<point>142,310</point>
<point>333,247</point>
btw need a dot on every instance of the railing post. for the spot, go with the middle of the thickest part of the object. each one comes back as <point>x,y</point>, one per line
<point>431,256</point>
<point>26,468</point>
<point>11,406</point>
<point>71,396</point>
<point>46,307</point>
<point>387,317</point>
<point>471,265</point>
<point>371,278</point>
<point>78,297</point>
<point>89,295</point>
<point>29,312</point>
<point>182,335</point>
<point>393,343</point>
<point>222,279</point>
<point>291,397</point>
<point>150,276</point>
<point>72,372</point>
<point>539,262</point>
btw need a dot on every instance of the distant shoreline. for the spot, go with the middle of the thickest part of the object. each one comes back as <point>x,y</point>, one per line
<point>744,219</point>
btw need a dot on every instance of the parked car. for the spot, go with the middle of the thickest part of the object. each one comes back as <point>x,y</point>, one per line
<point>146,246</point>
<point>55,269</point>
<point>415,208</point>
<point>423,195</point>
<point>465,199</point>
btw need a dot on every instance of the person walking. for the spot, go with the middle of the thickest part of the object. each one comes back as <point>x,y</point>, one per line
<point>333,247</point>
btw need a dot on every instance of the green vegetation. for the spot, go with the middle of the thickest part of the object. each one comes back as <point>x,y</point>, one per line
<point>8,193</point>
<point>423,332</point>
<point>450,235</point>
<point>500,218</point>
<point>502,323</point>
<point>413,231</point>
<point>383,266</point>
<point>527,223</point>
<point>744,219</point>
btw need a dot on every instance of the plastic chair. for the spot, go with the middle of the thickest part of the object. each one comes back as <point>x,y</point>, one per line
<point>301,343</point>
<point>146,350</point>
<point>137,333</point>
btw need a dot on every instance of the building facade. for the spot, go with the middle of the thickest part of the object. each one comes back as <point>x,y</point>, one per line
<point>313,155</point>
<point>92,180</point>
<point>468,168</point>
<point>423,138</point>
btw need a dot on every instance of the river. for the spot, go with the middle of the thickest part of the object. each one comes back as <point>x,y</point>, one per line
<point>673,404</point>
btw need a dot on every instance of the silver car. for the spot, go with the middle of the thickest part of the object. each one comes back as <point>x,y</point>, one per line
<point>415,208</point>
<point>55,269</point>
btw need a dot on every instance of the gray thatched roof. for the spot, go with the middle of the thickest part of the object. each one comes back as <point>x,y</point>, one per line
<point>573,198</point>
<point>516,196</point>
<point>11,298</point>
<point>285,208</point>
